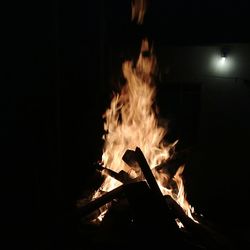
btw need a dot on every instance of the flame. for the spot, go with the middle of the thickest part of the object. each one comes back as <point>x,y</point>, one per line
<point>131,121</point>
<point>138,10</point>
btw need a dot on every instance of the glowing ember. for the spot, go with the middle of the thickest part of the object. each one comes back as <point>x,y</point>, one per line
<point>130,122</point>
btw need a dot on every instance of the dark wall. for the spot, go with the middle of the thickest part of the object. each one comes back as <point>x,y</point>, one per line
<point>224,136</point>
<point>51,103</point>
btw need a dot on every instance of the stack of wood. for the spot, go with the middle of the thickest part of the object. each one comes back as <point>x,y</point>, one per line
<point>154,214</point>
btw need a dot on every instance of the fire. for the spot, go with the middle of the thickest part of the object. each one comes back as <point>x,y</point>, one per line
<point>130,122</point>
<point>138,10</point>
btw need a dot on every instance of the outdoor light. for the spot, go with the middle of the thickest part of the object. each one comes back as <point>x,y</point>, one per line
<point>224,53</point>
<point>223,59</point>
<point>222,62</point>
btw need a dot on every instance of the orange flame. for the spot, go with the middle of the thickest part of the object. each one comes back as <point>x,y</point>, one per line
<point>138,10</point>
<point>131,121</point>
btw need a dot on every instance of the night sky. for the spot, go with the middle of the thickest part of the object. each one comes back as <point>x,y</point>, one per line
<point>56,87</point>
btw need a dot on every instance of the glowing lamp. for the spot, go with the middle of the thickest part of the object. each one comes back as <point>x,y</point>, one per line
<point>224,54</point>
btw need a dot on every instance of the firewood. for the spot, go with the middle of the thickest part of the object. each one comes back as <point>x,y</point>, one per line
<point>169,167</point>
<point>148,173</point>
<point>179,213</point>
<point>172,164</point>
<point>138,157</point>
<point>104,199</point>
<point>130,158</point>
<point>202,233</point>
<point>151,217</point>
<point>122,176</point>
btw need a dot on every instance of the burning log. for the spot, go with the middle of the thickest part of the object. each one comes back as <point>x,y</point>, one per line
<point>138,157</point>
<point>169,213</point>
<point>172,164</point>
<point>104,199</point>
<point>202,233</point>
<point>148,173</point>
<point>130,158</point>
<point>180,214</point>
<point>122,176</point>
<point>152,210</point>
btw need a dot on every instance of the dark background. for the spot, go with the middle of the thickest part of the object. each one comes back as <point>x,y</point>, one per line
<point>61,63</point>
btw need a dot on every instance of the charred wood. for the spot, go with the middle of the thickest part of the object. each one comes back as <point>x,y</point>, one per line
<point>122,176</point>
<point>207,236</point>
<point>138,158</point>
<point>171,165</point>
<point>98,202</point>
<point>151,217</point>
<point>148,173</point>
<point>130,158</point>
